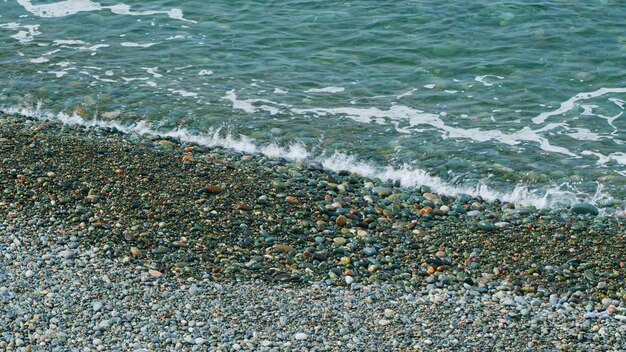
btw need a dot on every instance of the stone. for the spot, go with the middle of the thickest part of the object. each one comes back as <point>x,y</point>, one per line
<point>384,322</point>
<point>485,226</point>
<point>96,306</point>
<point>214,189</point>
<point>284,247</point>
<point>341,220</point>
<point>279,185</point>
<point>370,251</point>
<point>340,241</point>
<point>66,254</point>
<point>135,251</point>
<point>301,336</point>
<point>155,273</point>
<point>291,200</point>
<point>584,208</point>
<point>381,191</point>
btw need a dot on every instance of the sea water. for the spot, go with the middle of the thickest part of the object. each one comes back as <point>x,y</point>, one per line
<point>517,100</point>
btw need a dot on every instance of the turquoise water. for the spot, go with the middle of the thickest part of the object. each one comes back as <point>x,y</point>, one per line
<point>516,100</point>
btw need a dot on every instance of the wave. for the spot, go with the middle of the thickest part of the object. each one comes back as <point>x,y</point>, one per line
<point>561,196</point>
<point>71,7</point>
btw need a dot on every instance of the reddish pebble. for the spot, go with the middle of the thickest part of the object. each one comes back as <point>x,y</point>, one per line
<point>155,273</point>
<point>292,200</point>
<point>341,220</point>
<point>214,189</point>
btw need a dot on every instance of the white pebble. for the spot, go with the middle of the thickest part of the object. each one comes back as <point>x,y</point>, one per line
<point>384,322</point>
<point>301,336</point>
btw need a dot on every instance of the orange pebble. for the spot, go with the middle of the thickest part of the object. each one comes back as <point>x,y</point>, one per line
<point>425,210</point>
<point>431,270</point>
<point>187,150</point>
<point>187,158</point>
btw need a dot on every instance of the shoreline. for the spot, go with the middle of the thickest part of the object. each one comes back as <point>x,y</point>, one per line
<point>177,211</point>
<point>521,195</point>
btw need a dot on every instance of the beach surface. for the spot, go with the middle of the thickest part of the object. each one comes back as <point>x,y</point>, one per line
<point>114,241</point>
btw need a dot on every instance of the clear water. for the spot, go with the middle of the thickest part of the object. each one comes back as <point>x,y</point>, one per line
<point>518,100</point>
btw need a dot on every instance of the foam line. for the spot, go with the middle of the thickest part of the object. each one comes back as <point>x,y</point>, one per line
<point>571,103</point>
<point>71,7</point>
<point>561,196</point>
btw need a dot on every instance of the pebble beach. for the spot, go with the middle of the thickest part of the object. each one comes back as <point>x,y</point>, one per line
<point>127,242</point>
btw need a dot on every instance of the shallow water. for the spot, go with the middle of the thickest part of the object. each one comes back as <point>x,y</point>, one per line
<point>513,100</point>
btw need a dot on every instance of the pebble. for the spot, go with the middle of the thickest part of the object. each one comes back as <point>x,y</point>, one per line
<point>341,220</point>
<point>135,251</point>
<point>155,273</point>
<point>301,336</point>
<point>393,266</point>
<point>584,208</point>
<point>384,322</point>
<point>340,241</point>
<point>97,306</point>
<point>291,200</point>
<point>369,251</point>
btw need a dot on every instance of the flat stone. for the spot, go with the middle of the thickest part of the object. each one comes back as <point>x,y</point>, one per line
<point>66,254</point>
<point>291,200</point>
<point>96,306</point>
<point>381,191</point>
<point>214,189</point>
<point>340,241</point>
<point>369,251</point>
<point>155,273</point>
<point>584,208</point>
<point>301,336</point>
<point>384,322</point>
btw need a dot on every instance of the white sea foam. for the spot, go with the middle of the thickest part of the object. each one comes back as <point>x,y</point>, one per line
<point>326,90</point>
<point>205,73</point>
<point>58,74</point>
<point>406,94</point>
<point>68,42</point>
<point>571,103</point>
<point>184,93</point>
<point>152,71</point>
<point>407,119</point>
<point>137,45</point>
<point>39,60</point>
<point>251,105</point>
<point>71,7</point>
<point>23,36</point>
<point>483,79</point>
<point>583,134</point>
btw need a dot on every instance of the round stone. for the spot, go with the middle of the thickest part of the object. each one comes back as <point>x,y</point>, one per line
<point>340,241</point>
